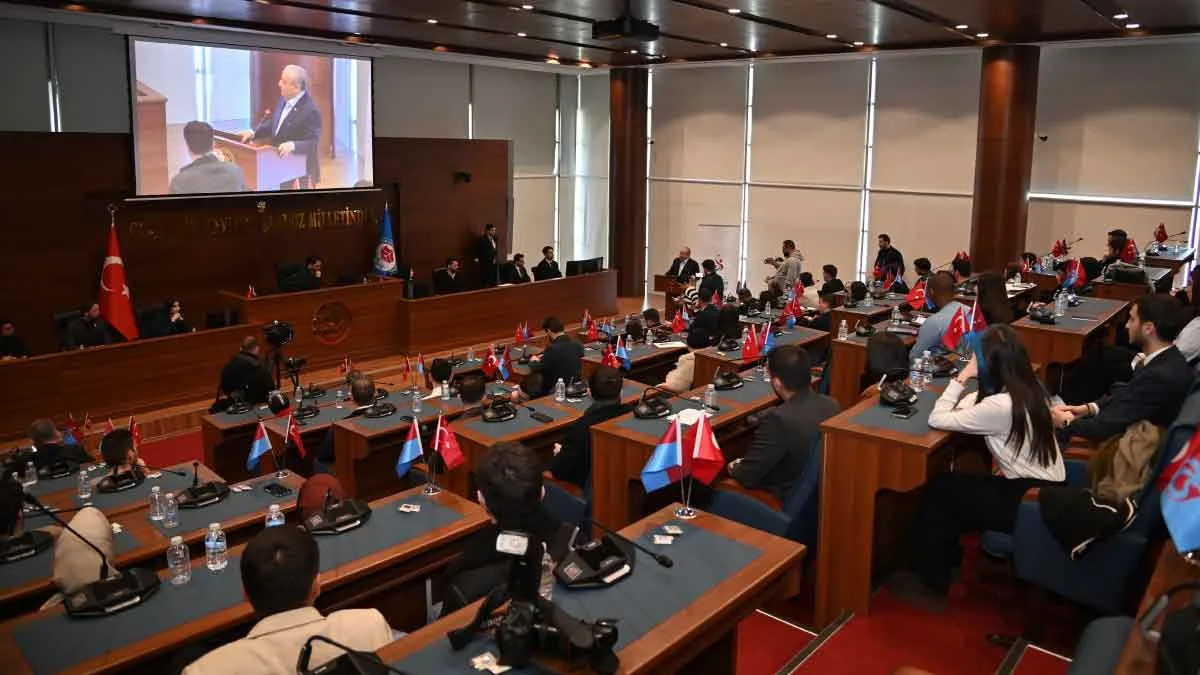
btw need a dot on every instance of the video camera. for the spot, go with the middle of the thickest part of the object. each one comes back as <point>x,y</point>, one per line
<point>278,333</point>
<point>294,364</point>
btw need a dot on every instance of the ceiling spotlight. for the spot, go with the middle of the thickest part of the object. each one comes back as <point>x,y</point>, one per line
<point>430,20</point>
<point>831,36</point>
<point>734,10</point>
<point>526,7</point>
<point>961,26</point>
<point>1121,16</point>
<point>982,35</point>
<point>584,64</point>
<point>1133,26</point>
<point>724,44</point>
<point>521,35</point>
<point>76,7</point>
<point>857,43</point>
<point>632,51</point>
<point>552,61</point>
<point>440,48</point>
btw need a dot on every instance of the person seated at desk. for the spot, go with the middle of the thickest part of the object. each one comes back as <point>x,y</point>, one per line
<point>280,568</point>
<point>729,324</point>
<point>171,321</point>
<point>707,315</point>
<point>961,268</point>
<point>119,456</point>
<point>812,295</point>
<point>245,377</point>
<point>515,272</point>
<point>822,319</point>
<point>11,344</point>
<point>830,283</point>
<point>572,461</point>
<point>292,279</point>
<point>362,393</point>
<point>857,291</point>
<point>449,278</point>
<point>1159,382</point>
<point>207,173</point>
<point>440,370</point>
<point>711,279</point>
<point>547,267</point>
<point>651,319</point>
<point>75,563</point>
<point>992,295</point>
<point>887,361</point>
<point>511,490</point>
<point>680,378</point>
<point>88,330</point>
<point>940,293</point>
<point>48,446</point>
<point>779,451</point>
<point>923,269</point>
<point>562,358</point>
<point>1012,413</point>
<point>1031,264</point>
<point>471,391</point>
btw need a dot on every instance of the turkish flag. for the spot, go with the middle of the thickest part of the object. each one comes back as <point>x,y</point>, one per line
<point>136,432</point>
<point>491,365</point>
<point>916,297</point>
<point>593,332</point>
<point>293,436</point>
<point>116,306</point>
<point>678,325</point>
<point>520,337</point>
<point>750,346</point>
<point>702,456</point>
<point>445,442</point>
<point>610,357</point>
<point>955,331</point>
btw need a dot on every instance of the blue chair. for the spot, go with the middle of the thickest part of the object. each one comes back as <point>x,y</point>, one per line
<point>564,504</point>
<point>1000,544</point>
<point>1100,646</point>
<point>1103,578</point>
<point>796,520</point>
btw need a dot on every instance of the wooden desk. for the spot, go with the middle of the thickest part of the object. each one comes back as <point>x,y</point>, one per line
<point>699,640</point>
<point>711,361</point>
<point>1172,261</point>
<point>1063,342</point>
<point>852,315</point>
<point>360,583</point>
<point>619,453</point>
<point>1158,280</point>
<point>648,364</point>
<point>848,362</point>
<point>492,314</point>
<point>1140,657</point>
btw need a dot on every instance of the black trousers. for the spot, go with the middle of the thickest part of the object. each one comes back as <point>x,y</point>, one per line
<point>952,505</point>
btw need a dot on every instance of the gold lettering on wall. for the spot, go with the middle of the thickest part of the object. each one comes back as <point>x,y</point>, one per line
<point>225,226</point>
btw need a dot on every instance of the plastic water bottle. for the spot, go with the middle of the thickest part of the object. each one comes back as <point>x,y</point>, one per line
<point>895,315</point>
<point>31,477</point>
<point>156,503</point>
<point>470,353</point>
<point>274,516</point>
<point>916,375</point>
<point>546,585</point>
<point>170,508</point>
<point>1060,304</point>
<point>178,562</point>
<point>927,362</point>
<point>416,404</point>
<point>648,337</point>
<point>710,396</point>
<point>445,390</point>
<point>560,391</point>
<point>215,555</point>
<point>85,485</point>
<point>341,396</point>
<point>843,330</point>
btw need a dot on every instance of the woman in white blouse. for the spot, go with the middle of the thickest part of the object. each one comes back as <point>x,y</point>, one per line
<point>1012,413</point>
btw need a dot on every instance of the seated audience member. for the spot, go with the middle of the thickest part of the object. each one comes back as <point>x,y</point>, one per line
<point>562,358</point>
<point>49,447</point>
<point>530,388</point>
<point>923,268</point>
<point>511,489</point>
<point>857,291</point>
<point>1011,412</point>
<point>440,370</point>
<point>119,455</point>
<point>746,298</point>
<point>292,279</point>
<point>1188,342</point>
<point>515,272</point>
<point>711,279</point>
<point>821,320</point>
<point>206,173</point>
<point>471,391</point>
<point>362,394</point>
<point>1159,383</point>
<point>280,569</point>
<point>651,317</point>
<point>812,295</point>
<point>1031,264</point>
<point>940,293</point>
<point>449,278</point>
<point>779,451</point>
<point>706,316</point>
<point>961,268</point>
<point>572,461</point>
<point>310,500</point>
<point>171,321</point>
<point>680,378</point>
<point>89,330</point>
<point>245,376</point>
<point>887,361</point>
<point>1188,295</point>
<point>547,267</point>
<point>992,297</point>
<point>830,281</point>
<point>11,344</point>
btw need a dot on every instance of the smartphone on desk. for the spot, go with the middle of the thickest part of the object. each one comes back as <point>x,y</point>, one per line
<point>903,412</point>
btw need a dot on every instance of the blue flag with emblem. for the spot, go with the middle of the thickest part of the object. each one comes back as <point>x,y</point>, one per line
<point>385,251</point>
<point>1180,485</point>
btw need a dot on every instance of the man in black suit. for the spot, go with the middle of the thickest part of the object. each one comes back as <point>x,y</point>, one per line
<point>888,255</point>
<point>48,446</point>
<point>362,392</point>
<point>711,279</point>
<point>562,358</point>
<point>245,375</point>
<point>11,344</point>
<point>707,317</point>
<point>89,330</point>
<point>487,251</point>
<point>547,268</point>
<point>293,126</point>
<point>515,272</point>
<point>683,268</point>
<point>776,458</point>
<point>1161,377</point>
<point>449,278</point>
<point>831,282</point>
<point>572,461</point>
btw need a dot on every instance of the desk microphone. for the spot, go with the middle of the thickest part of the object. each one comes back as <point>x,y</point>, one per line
<point>174,472</point>
<point>200,495</point>
<point>1069,245</point>
<point>110,593</point>
<point>659,558</point>
<point>337,516</point>
<point>653,407</point>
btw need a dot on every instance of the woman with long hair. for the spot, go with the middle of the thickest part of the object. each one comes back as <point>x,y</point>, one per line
<point>1011,412</point>
<point>993,299</point>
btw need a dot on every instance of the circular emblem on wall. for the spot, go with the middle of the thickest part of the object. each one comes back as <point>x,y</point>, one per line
<point>331,323</point>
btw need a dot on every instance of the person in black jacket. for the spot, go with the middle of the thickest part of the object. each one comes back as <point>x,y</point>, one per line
<point>362,393</point>
<point>684,268</point>
<point>707,318</point>
<point>1160,381</point>
<point>48,446</point>
<point>245,375</point>
<point>888,255</point>
<point>711,279</point>
<point>293,126</point>
<point>89,330</point>
<point>487,252</point>
<point>547,267</point>
<point>562,358</point>
<point>515,272</point>
<point>831,282</point>
<point>449,278</point>
<point>572,461</point>
<point>11,344</point>
<point>170,320</point>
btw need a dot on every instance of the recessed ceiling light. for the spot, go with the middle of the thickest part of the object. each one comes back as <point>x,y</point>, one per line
<point>632,51</point>
<point>982,35</point>
<point>831,36</point>
<point>857,43</point>
<point>724,44</point>
<point>440,48</point>
<point>552,61</point>
<point>584,64</point>
<point>521,35</point>
<point>734,10</point>
<point>1121,16</point>
<point>1133,26</point>
<point>527,7</point>
<point>961,26</point>
<point>430,20</point>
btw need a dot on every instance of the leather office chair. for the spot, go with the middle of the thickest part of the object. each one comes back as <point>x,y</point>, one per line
<point>796,517</point>
<point>61,321</point>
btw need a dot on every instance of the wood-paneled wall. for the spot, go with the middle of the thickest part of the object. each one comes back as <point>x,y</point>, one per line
<point>55,190</point>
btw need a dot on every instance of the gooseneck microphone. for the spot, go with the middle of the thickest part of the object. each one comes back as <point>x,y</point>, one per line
<point>667,393</point>
<point>202,494</point>
<point>659,558</point>
<point>174,472</point>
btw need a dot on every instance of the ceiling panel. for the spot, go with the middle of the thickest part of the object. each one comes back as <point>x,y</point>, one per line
<point>1022,19</point>
<point>851,20</point>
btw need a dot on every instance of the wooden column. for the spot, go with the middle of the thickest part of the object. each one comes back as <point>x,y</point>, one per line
<point>1004,154</point>
<point>627,178</point>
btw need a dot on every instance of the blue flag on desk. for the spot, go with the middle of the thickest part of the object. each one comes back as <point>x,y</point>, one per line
<point>385,252</point>
<point>411,451</point>
<point>260,447</point>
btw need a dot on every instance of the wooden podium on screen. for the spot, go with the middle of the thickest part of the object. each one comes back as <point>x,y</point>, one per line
<point>261,165</point>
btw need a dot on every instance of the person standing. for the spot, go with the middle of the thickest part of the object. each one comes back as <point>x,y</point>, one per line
<point>888,255</point>
<point>787,269</point>
<point>711,279</point>
<point>294,126</point>
<point>683,267</point>
<point>487,252</point>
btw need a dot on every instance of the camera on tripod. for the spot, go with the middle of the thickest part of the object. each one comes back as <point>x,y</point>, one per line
<point>278,333</point>
<point>293,365</point>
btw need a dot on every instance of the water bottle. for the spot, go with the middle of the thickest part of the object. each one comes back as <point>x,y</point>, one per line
<point>648,338</point>
<point>560,391</point>
<point>470,353</point>
<point>31,477</point>
<point>341,396</point>
<point>215,557</point>
<point>170,508</point>
<point>916,375</point>
<point>156,503</point>
<point>895,315</point>
<point>1060,304</point>
<point>85,486</point>
<point>445,390</point>
<point>546,585</point>
<point>178,562</point>
<point>274,516</point>
<point>710,397</point>
<point>843,331</point>
<point>927,362</point>
<point>416,404</point>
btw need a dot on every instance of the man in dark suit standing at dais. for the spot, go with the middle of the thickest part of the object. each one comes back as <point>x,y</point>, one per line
<point>294,125</point>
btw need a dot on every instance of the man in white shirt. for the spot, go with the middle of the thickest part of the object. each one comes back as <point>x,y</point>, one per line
<point>279,575</point>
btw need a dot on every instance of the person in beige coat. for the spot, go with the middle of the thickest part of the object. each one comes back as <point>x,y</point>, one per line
<point>279,576</point>
<point>680,378</point>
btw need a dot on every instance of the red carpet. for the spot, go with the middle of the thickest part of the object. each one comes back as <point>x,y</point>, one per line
<point>164,452</point>
<point>765,644</point>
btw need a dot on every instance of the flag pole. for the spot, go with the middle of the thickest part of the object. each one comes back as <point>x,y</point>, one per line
<point>431,487</point>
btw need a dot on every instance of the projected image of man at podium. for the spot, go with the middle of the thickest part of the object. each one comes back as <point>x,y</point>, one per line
<point>206,173</point>
<point>293,126</point>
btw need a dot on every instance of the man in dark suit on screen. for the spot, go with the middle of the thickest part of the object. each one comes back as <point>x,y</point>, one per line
<point>294,125</point>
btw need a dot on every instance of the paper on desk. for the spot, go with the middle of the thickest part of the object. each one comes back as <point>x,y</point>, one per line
<point>688,416</point>
<point>919,320</point>
<point>670,345</point>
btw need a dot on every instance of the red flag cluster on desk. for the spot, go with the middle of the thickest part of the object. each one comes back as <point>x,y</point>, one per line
<point>73,435</point>
<point>108,428</point>
<point>406,370</point>
<point>587,320</point>
<point>445,443</point>
<point>491,364</point>
<point>250,292</point>
<point>1129,254</point>
<point>702,456</point>
<point>1160,234</point>
<point>116,304</point>
<point>750,347</point>
<point>593,331</point>
<point>1060,248</point>
<point>346,366</point>
<point>679,324</point>
<point>610,357</point>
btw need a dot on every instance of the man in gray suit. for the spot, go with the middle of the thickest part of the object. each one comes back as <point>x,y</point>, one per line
<point>206,173</point>
<point>777,456</point>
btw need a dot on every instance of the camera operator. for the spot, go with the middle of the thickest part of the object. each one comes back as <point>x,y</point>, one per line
<point>245,376</point>
<point>510,488</point>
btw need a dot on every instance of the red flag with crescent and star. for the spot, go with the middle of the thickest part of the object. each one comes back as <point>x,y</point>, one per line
<point>116,305</point>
